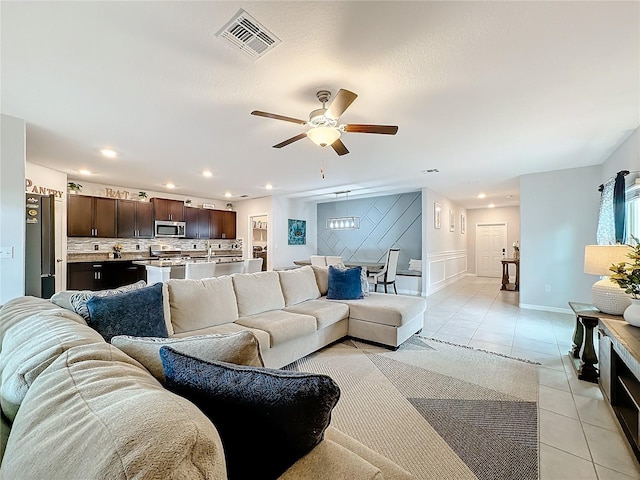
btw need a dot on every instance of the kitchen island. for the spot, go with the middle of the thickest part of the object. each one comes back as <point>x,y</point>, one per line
<point>165,269</point>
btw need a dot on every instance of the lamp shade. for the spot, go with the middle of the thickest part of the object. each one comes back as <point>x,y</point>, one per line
<point>598,258</point>
<point>323,136</point>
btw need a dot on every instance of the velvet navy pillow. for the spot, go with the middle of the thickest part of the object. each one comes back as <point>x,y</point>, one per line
<point>138,313</point>
<point>344,284</point>
<point>267,419</point>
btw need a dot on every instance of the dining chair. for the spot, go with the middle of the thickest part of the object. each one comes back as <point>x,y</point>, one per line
<point>318,260</point>
<point>198,271</point>
<point>234,267</point>
<point>387,276</point>
<point>334,260</point>
<point>252,265</point>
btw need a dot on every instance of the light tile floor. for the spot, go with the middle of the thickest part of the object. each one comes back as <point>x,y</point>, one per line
<point>579,435</point>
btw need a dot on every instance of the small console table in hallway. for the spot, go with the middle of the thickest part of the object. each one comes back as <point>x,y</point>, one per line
<point>505,274</point>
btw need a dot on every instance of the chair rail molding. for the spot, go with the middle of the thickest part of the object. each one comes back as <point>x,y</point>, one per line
<point>444,268</point>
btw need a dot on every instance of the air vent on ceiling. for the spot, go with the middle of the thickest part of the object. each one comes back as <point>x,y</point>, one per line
<point>248,35</point>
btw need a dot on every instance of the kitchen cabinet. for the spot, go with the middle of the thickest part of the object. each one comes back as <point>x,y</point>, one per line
<point>134,219</point>
<point>223,224</point>
<point>198,222</point>
<point>91,216</point>
<point>165,209</point>
<point>103,275</point>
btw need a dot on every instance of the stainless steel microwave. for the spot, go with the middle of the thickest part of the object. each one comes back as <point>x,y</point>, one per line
<point>165,228</point>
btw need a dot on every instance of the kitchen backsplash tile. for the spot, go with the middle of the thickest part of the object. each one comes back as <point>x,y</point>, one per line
<point>134,245</point>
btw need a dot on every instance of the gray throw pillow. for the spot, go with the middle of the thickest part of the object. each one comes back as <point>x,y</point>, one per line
<point>267,419</point>
<point>241,348</point>
<point>78,300</point>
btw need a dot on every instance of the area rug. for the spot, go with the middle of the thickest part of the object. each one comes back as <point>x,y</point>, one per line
<point>441,411</point>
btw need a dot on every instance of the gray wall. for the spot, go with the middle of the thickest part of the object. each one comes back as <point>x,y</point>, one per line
<point>508,215</point>
<point>385,222</point>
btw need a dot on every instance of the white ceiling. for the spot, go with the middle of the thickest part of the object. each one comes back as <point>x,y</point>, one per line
<point>482,91</point>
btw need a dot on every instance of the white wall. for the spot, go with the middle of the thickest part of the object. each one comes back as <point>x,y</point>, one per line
<point>244,230</point>
<point>558,215</point>
<point>625,157</point>
<point>12,201</point>
<point>282,254</point>
<point>43,180</point>
<point>508,215</point>
<point>444,258</point>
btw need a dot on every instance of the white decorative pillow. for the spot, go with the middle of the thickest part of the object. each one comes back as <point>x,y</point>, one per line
<point>240,348</point>
<point>298,285</point>
<point>78,300</point>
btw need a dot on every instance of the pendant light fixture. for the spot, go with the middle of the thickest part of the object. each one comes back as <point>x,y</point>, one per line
<point>343,223</point>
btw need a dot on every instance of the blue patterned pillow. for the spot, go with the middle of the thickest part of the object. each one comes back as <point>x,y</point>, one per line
<point>267,419</point>
<point>137,313</point>
<point>344,284</point>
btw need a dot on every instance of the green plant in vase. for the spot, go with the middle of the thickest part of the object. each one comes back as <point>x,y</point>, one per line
<point>74,187</point>
<point>627,276</point>
<point>143,196</point>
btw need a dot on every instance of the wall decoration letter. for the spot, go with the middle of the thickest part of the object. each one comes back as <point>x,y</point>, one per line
<point>297,232</point>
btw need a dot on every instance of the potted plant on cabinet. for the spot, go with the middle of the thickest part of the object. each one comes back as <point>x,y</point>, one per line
<point>187,202</point>
<point>74,187</point>
<point>143,197</point>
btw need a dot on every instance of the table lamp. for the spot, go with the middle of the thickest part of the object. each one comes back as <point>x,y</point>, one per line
<point>606,295</point>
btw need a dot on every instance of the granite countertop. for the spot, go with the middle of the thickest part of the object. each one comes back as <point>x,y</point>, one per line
<point>143,256</point>
<point>179,262</point>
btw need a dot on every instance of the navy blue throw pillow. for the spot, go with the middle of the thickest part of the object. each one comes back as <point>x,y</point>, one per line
<point>344,284</point>
<point>267,419</point>
<point>138,313</point>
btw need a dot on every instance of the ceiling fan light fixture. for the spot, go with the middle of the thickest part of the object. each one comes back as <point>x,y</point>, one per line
<point>323,136</point>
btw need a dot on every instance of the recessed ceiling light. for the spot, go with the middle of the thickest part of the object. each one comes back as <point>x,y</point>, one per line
<point>84,172</point>
<point>268,186</point>
<point>430,170</point>
<point>170,185</point>
<point>207,173</point>
<point>482,195</point>
<point>228,194</point>
<point>491,205</point>
<point>109,153</point>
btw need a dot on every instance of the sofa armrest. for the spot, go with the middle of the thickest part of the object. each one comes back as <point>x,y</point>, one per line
<point>329,461</point>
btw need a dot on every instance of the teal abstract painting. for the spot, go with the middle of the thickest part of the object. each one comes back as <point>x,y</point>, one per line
<point>297,232</point>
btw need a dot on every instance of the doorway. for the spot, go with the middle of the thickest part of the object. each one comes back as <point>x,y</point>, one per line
<point>258,228</point>
<point>491,242</point>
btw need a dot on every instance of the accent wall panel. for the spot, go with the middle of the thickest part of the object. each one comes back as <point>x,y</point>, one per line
<point>385,222</point>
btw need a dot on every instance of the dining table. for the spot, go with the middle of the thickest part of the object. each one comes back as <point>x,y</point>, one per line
<point>371,267</point>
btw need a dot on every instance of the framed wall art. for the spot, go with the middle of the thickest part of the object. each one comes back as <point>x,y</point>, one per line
<point>297,233</point>
<point>437,215</point>
<point>452,220</point>
<point>463,224</point>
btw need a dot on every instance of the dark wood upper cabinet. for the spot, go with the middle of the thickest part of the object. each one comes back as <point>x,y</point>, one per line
<point>223,224</point>
<point>165,209</point>
<point>135,219</point>
<point>198,222</point>
<point>91,216</point>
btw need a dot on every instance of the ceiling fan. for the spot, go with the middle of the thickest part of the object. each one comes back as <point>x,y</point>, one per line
<point>325,129</point>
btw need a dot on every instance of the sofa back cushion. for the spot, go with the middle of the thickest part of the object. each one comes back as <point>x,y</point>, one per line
<point>298,285</point>
<point>97,414</point>
<point>197,304</point>
<point>322,278</point>
<point>258,292</point>
<point>30,346</point>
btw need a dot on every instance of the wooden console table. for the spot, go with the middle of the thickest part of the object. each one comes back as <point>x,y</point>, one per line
<point>586,320</point>
<point>505,274</point>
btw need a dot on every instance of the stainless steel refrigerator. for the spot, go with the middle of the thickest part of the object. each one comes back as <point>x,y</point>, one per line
<point>40,246</point>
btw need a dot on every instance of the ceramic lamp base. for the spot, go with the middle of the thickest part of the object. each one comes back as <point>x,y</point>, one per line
<point>609,298</point>
<point>632,313</point>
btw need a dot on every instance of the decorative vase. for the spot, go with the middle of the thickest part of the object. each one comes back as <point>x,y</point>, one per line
<point>516,253</point>
<point>632,313</point>
<point>117,254</point>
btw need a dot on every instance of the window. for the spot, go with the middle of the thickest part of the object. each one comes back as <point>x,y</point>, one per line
<point>632,214</point>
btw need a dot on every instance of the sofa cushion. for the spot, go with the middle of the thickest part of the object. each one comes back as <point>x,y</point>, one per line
<point>95,413</point>
<point>264,339</point>
<point>325,313</point>
<point>197,304</point>
<point>137,312</point>
<point>344,284</point>
<point>78,300</point>
<point>298,285</point>
<point>322,278</point>
<point>258,292</point>
<point>281,325</point>
<point>29,347</point>
<point>394,310</point>
<point>267,419</point>
<point>240,348</point>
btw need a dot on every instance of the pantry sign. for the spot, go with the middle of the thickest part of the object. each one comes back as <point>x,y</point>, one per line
<point>31,187</point>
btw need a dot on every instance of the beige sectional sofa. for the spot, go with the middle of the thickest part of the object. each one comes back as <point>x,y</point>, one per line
<point>76,407</point>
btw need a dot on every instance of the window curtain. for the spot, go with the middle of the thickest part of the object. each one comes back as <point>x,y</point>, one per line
<point>619,206</point>
<point>606,234</point>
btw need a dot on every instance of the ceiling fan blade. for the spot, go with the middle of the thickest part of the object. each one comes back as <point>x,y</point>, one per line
<point>278,117</point>
<point>339,147</point>
<point>343,99</point>
<point>383,129</point>
<point>291,140</point>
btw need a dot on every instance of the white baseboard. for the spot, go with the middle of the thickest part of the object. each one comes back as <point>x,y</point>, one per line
<point>545,308</point>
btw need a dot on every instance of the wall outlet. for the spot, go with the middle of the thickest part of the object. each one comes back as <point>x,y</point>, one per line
<point>137,247</point>
<point>96,246</point>
<point>195,246</point>
<point>547,288</point>
<point>6,252</point>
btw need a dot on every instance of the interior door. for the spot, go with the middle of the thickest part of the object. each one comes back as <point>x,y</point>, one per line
<point>60,239</point>
<point>490,240</point>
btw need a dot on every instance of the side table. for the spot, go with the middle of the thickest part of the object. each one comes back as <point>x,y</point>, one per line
<point>506,285</point>
<point>583,353</point>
